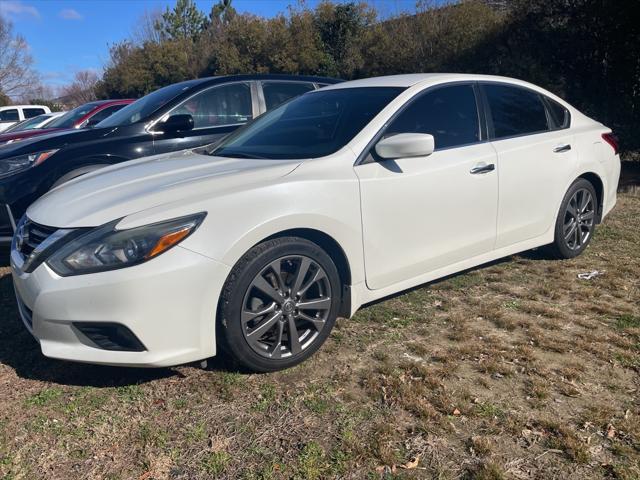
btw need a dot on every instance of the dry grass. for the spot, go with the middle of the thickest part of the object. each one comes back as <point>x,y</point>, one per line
<point>513,370</point>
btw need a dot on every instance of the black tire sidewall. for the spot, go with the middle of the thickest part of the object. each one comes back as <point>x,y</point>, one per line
<point>240,279</point>
<point>559,246</point>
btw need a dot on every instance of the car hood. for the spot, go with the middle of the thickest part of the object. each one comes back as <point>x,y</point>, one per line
<point>27,133</point>
<point>120,190</point>
<point>58,138</point>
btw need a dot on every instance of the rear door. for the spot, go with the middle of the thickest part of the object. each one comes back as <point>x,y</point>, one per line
<point>216,112</point>
<point>535,158</point>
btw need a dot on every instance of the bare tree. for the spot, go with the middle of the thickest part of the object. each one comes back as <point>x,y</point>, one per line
<point>82,89</point>
<point>16,73</point>
<point>146,28</point>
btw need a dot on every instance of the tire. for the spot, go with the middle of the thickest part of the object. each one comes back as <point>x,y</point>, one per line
<point>578,209</point>
<point>258,308</point>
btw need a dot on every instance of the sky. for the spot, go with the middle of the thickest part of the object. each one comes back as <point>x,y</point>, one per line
<point>65,36</point>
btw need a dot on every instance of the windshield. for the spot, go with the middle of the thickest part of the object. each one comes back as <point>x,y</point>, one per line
<point>313,125</point>
<point>29,124</point>
<point>69,119</point>
<point>142,108</point>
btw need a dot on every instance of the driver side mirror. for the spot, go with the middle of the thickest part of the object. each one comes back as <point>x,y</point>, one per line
<point>177,123</point>
<point>406,145</point>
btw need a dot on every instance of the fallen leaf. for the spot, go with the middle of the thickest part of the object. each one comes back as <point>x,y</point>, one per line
<point>411,464</point>
<point>456,412</point>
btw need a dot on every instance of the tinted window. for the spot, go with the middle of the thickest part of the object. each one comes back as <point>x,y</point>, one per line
<point>559,115</point>
<point>448,113</point>
<point>27,124</point>
<point>32,112</point>
<point>141,109</point>
<point>225,105</point>
<point>309,126</point>
<point>276,93</point>
<point>9,115</point>
<point>104,113</point>
<point>69,119</point>
<point>515,111</point>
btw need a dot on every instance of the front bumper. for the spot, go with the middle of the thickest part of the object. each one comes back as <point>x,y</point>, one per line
<point>168,303</point>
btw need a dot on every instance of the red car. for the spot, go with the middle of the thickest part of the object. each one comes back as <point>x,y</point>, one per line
<point>84,116</point>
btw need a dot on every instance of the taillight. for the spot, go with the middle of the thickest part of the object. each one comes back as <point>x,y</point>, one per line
<point>612,140</point>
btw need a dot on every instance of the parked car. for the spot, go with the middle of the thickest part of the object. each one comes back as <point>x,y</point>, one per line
<point>333,200</point>
<point>16,113</point>
<point>84,116</point>
<point>181,116</point>
<point>34,122</point>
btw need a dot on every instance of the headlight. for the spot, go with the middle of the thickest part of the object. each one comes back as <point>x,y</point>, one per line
<point>106,248</point>
<point>9,166</point>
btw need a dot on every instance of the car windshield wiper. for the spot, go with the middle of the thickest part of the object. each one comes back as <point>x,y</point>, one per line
<point>237,155</point>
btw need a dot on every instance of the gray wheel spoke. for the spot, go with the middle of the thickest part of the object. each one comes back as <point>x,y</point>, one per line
<point>571,231</point>
<point>294,339</point>
<point>318,323</point>
<point>248,315</point>
<point>264,327</point>
<point>275,266</point>
<point>588,216</point>
<point>265,287</point>
<point>317,304</point>
<point>319,275</point>
<point>276,352</point>
<point>303,268</point>
<point>586,198</point>
<point>578,237</point>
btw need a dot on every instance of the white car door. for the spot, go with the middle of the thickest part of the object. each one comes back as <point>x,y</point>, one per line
<point>536,160</point>
<point>423,213</point>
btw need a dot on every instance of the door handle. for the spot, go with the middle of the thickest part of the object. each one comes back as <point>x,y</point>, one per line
<point>482,169</point>
<point>562,148</point>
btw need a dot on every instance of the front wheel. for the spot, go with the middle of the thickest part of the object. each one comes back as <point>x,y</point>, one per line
<point>576,220</point>
<point>279,304</point>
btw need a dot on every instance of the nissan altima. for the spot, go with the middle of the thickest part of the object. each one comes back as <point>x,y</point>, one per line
<point>335,199</point>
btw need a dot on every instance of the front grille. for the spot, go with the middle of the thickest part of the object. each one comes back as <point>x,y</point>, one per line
<point>33,234</point>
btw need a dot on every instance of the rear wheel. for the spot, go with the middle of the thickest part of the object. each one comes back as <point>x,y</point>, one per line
<point>279,304</point>
<point>576,220</point>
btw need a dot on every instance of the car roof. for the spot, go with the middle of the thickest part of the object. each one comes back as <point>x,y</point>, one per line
<point>411,79</point>
<point>262,76</point>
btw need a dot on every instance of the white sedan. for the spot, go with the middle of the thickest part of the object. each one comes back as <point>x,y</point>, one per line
<point>340,197</point>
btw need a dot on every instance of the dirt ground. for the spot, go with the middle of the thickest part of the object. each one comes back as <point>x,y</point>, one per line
<point>517,369</point>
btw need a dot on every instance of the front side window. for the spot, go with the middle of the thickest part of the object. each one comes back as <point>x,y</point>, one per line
<point>9,115</point>
<point>32,112</point>
<point>69,119</point>
<point>515,110</point>
<point>448,113</point>
<point>276,93</point>
<point>309,126</point>
<point>225,105</point>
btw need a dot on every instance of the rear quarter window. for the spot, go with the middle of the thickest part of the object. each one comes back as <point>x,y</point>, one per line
<point>560,116</point>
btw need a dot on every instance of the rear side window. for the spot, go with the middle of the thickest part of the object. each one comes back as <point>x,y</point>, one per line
<point>276,93</point>
<point>449,114</point>
<point>515,111</point>
<point>9,115</point>
<point>102,114</point>
<point>560,116</point>
<point>32,112</point>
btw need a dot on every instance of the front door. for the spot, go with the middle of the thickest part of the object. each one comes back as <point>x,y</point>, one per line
<point>423,213</point>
